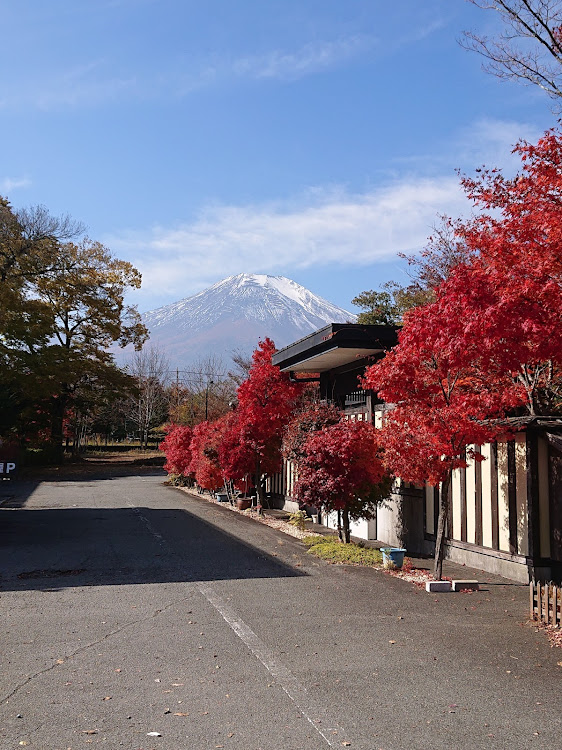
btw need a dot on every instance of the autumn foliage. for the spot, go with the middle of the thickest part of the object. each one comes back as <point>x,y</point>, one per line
<point>489,345</point>
<point>310,418</point>
<point>340,469</point>
<point>518,249</point>
<point>204,447</point>
<point>177,447</point>
<point>266,400</point>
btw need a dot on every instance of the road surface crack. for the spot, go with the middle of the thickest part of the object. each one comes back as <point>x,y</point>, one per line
<point>86,647</point>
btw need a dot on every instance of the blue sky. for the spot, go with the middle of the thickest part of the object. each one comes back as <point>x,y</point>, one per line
<point>314,139</point>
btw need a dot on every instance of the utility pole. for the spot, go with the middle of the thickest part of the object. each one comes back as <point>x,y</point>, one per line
<point>209,383</point>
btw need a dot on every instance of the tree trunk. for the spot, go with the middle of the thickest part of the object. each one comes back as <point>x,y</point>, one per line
<point>444,500</point>
<point>346,530</point>
<point>58,411</point>
<point>259,486</point>
<point>340,531</point>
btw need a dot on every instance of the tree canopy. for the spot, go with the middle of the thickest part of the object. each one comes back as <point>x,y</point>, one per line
<point>266,400</point>
<point>340,469</point>
<point>489,345</point>
<point>61,307</point>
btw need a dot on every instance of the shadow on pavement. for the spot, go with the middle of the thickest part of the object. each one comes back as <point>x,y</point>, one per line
<point>15,493</point>
<point>52,549</point>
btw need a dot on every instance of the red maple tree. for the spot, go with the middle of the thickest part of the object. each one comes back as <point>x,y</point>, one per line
<point>442,405</point>
<point>490,342</point>
<point>518,255</point>
<point>266,400</point>
<point>177,448</point>
<point>310,418</point>
<point>205,465</point>
<point>340,469</point>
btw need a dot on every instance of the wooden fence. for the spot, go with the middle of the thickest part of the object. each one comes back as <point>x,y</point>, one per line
<point>546,603</point>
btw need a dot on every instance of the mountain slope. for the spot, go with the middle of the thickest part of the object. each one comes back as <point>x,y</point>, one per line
<point>234,314</point>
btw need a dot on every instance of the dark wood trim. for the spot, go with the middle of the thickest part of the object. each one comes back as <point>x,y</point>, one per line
<point>449,525</point>
<point>478,499</point>
<point>494,495</point>
<point>555,503</point>
<point>512,496</point>
<point>532,468</point>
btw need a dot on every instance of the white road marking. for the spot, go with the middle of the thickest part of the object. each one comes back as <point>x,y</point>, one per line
<point>284,677</point>
<point>314,713</point>
<point>147,523</point>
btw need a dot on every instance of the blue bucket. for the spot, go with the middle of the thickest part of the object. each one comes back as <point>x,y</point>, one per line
<point>393,557</point>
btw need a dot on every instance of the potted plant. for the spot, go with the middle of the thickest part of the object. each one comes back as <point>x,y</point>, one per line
<point>243,503</point>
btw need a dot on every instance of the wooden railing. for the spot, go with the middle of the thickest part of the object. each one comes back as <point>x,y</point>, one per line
<point>546,603</point>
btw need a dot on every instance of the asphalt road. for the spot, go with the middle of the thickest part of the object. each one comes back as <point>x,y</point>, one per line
<point>129,608</point>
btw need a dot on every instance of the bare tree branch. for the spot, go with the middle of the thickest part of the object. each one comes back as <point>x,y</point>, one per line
<point>529,49</point>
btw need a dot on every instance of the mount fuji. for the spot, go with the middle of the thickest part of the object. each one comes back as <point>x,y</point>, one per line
<point>234,314</point>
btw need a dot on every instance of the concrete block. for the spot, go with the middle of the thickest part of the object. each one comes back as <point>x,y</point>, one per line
<point>438,587</point>
<point>464,585</point>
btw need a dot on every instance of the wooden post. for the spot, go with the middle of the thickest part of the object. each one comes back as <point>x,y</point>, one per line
<point>532,460</point>
<point>539,602</point>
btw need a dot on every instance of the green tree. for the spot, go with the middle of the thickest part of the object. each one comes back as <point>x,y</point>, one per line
<point>445,250</point>
<point>84,296</point>
<point>29,242</point>
<point>379,308</point>
<point>61,308</point>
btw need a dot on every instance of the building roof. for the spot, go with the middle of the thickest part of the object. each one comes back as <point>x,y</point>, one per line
<point>335,345</point>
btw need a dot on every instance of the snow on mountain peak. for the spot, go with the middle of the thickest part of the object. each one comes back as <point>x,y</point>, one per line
<point>235,313</point>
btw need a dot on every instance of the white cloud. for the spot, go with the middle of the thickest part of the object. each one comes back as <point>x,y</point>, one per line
<point>487,142</point>
<point>490,142</point>
<point>310,58</point>
<point>322,228</point>
<point>8,184</point>
<point>95,82</point>
<point>329,228</point>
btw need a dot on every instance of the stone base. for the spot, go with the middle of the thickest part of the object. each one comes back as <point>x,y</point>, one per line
<point>438,587</point>
<point>465,585</point>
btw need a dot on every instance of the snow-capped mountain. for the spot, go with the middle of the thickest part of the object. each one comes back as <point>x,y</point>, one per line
<point>234,314</point>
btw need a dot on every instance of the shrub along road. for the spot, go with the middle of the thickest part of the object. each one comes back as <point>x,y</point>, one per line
<point>137,616</point>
